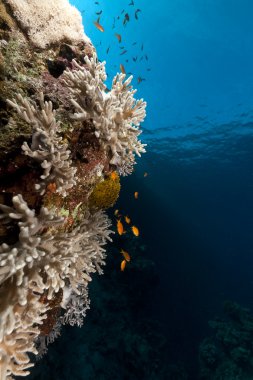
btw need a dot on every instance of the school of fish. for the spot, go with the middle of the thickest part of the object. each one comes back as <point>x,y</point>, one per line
<point>125,17</point>
<point>121,229</point>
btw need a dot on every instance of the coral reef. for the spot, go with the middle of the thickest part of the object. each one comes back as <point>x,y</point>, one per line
<point>57,173</point>
<point>229,354</point>
<point>44,263</point>
<point>46,147</point>
<point>116,114</point>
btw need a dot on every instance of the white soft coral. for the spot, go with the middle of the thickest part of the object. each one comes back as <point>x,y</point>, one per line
<point>43,261</point>
<point>116,114</point>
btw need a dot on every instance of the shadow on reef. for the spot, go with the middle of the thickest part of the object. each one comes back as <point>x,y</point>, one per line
<point>229,354</point>
<point>118,340</point>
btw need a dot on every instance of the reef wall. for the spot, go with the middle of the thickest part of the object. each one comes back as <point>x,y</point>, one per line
<point>65,140</point>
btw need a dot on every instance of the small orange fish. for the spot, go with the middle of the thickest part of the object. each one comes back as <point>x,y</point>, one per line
<point>126,19</point>
<point>116,212</point>
<point>136,194</point>
<point>127,219</point>
<point>122,68</point>
<point>145,174</point>
<point>135,231</point>
<point>126,255</point>
<point>98,26</point>
<point>123,265</point>
<point>140,79</point>
<point>136,13</point>
<point>114,176</point>
<point>51,187</point>
<point>70,221</point>
<point>120,227</point>
<point>118,37</point>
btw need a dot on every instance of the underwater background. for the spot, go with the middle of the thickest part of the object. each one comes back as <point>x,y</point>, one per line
<point>192,62</point>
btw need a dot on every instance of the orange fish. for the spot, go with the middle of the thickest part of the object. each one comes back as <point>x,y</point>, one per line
<point>145,174</point>
<point>123,265</point>
<point>136,195</point>
<point>126,19</point>
<point>127,219</point>
<point>135,231</point>
<point>114,176</point>
<point>116,212</point>
<point>122,69</point>
<point>126,255</point>
<point>98,26</point>
<point>120,227</point>
<point>118,37</point>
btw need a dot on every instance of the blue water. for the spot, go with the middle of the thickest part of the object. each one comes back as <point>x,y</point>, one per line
<point>195,206</point>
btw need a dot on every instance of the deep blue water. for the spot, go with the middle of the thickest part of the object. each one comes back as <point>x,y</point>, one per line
<point>195,206</point>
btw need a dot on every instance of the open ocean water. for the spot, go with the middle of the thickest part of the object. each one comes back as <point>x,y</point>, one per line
<point>194,61</point>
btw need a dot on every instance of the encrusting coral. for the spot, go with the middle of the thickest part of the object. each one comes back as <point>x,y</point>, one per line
<point>71,141</point>
<point>46,147</point>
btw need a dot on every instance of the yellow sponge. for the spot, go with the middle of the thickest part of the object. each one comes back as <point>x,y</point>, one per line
<point>105,193</point>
